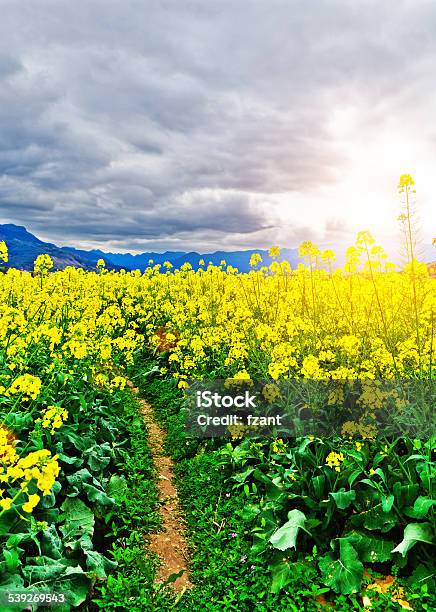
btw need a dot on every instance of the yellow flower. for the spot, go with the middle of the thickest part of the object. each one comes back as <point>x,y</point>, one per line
<point>3,252</point>
<point>32,501</point>
<point>27,384</point>
<point>274,252</point>
<point>406,180</point>
<point>42,264</point>
<point>255,259</point>
<point>5,503</point>
<point>334,460</point>
<point>53,417</point>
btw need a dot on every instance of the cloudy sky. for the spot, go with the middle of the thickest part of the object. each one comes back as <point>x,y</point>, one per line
<point>215,124</point>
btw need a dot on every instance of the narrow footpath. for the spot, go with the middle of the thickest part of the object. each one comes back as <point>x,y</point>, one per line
<point>169,544</point>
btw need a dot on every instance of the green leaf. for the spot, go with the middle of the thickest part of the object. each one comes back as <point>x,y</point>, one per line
<point>173,577</point>
<point>375,519</point>
<point>318,483</point>
<point>99,564</point>
<point>422,575</point>
<point>116,487</point>
<point>76,461</point>
<point>281,576</point>
<point>286,536</point>
<point>43,569</point>
<point>420,508</point>
<point>49,501</point>
<point>352,477</point>
<point>413,533</point>
<point>78,520</point>
<point>51,544</point>
<point>344,574</point>
<point>99,457</point>
<point>75,584</point>
<point>96,495</point>
<point>12,560</point>
<point>387,503</point>
<point>10,584</point>
<point>405,495</point>
<point>369,548</point>
<point>79,477</point>
<point>343,498</point>
<point>273,492</point>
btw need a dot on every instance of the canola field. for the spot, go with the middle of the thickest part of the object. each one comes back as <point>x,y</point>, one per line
<point>343,513</point>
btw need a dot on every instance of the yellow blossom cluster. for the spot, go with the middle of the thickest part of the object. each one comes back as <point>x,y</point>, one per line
<point>17,473</point>
<point>43,263</point>
<point>53,417</point>
<point>3,252</point>
<point>334,460</point>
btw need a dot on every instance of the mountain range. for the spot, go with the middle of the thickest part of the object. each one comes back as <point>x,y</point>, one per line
<point>24,247</point>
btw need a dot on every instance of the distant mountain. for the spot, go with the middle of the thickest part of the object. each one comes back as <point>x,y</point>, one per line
<point>237,259</point>
<point>24,247</point>
<point>127,260</point>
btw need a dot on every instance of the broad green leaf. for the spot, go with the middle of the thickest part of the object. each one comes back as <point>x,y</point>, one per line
<point>79,477</point>
<point>117,486</point>
<point>353,476</point>
<point>75,584</point>
<point>369,548</point>
<point>422,575</point>
<point>78,519</point>
<point>51,544</point>
<point>76,461</point>
<point>421,507</point>
<point>344,574</point>
<point>96,495</point>
<point>12,560</point>
<point>376,519</point>
<point>49,501</point>
<point>281,575</point>
<point>343,499</point>
<point>318,484</point>
<point>10,583</point>
<point>387,503</point>
<point>413,533</point>
<point>99,564</point>
<point>286,536</point>
<point>405,495</point>
<point>43,569</point>
<point>273,492</point>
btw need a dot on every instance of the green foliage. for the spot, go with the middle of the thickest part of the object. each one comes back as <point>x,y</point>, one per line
<point>354,514</point>
<point>63,546</point>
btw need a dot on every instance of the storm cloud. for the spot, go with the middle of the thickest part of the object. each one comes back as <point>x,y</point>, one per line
<point>185,124</point>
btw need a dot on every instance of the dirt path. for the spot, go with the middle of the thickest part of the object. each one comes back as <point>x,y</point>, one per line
<point>169,544</point>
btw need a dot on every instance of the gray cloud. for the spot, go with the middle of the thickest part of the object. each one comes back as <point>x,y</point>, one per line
<point>144,125</point>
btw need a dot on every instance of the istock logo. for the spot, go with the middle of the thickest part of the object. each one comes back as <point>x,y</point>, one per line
<point>207,399</point>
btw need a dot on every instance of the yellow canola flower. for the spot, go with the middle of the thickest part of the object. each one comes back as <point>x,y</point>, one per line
<point>43,263</point>
<point>274,252</point>
<point>32,501</point>
<point>27,384</point>
<point>334,460</point>
<point>255,259</point>
<point>3,252</point>
<point>53,417</point>
<point>5,503</point>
